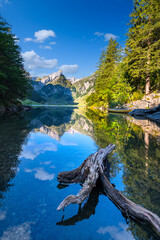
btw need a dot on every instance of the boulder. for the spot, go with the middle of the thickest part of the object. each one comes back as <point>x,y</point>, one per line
<point>147,102</point>
<point>152,114</point>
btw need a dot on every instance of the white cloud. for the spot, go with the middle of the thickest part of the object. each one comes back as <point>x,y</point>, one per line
<point>69,68</point>
<point>99,34</point>
<point>52,166</point>
<point>32,149</point>
<point>41,36</point>
<point>41,174</point>
<point>4,2</point>
<point>29,39</point>
<point>32,61</point>
<point>108,36</point>
<point>46,47</point>
<point>22,231</point>
<point>53,43</point>
<point>47,162</point>
<point>116,233</point>
<point>2,215</point>
<point>43,75</point>
<point>65,143</point>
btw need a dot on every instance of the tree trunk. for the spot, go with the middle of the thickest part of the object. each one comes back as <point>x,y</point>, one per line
<point>147,86</point>
<point>92,169</point>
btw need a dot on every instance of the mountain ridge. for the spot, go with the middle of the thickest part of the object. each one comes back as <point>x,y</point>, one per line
<point>57,89</point>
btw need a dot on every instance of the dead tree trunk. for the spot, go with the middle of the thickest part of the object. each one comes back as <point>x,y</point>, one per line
<point>88,173</point>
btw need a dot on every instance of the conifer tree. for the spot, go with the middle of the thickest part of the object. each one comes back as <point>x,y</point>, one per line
<point>143,45</point>
<point>110,82</point>
<point>14,82</point>
<point>107,65</point>
<point>106,69</point>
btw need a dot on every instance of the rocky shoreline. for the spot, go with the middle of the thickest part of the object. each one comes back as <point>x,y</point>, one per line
<point>152,114</point>
<point>148,101</point>
<point>14,109</point>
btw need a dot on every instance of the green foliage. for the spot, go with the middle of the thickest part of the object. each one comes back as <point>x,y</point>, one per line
<point>29,102</point>
<point>109,129</point>
<point>137,95</point>
<point>135,149</point>
<point>140,68</point>
<point>143,44</point>
<point>14,83</point>
<point>121,90</point>
<point>107,66</point>
<point>111,82</point>
<point>38,79</point>
<point>105,75</point>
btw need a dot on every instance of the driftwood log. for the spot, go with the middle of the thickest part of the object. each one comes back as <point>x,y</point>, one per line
<point>92,169</point>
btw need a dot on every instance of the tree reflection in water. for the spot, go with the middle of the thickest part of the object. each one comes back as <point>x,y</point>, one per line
<point>14,129</point>
<point>138,153</point>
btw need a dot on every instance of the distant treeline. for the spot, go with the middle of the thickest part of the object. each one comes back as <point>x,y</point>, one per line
<point>126,74</point>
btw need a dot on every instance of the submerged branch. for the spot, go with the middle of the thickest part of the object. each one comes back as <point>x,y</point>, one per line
<point>88,171</point>
<point>92,169</point>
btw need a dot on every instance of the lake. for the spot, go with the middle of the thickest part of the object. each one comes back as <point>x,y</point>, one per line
<point>36,145</point>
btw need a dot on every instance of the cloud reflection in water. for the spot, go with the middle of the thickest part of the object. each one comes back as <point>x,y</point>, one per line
<point>41,174</point>
<point>33,149</point>
<point>116,233</point>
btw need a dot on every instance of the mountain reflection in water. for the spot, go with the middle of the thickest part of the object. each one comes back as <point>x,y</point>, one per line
<point>26,150</point>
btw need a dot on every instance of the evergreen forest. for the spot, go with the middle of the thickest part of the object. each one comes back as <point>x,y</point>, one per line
<point>125,75</point>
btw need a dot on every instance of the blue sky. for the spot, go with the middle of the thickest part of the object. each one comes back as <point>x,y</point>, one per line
<point>66,34</point>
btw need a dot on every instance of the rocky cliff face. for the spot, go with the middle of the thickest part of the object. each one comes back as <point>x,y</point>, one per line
<point>56,89</point>
<point>52,77</point>
<point>56,94</point>
<point>84,86</point>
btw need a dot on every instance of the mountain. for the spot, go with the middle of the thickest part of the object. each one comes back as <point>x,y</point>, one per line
<point>56,121</point>
<point>57,89</point>
<point>84,87</point>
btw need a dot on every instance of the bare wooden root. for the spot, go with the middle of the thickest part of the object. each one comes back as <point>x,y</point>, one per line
<point>88,173</point>
<point>129,208</point>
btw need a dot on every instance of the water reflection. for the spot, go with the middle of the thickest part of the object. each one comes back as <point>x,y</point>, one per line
<point>42,142</point>
<point>139,152</point>
<point>22,231</point>
<point>116,233</point>
<point>13,134</point>
<point>84,212</point>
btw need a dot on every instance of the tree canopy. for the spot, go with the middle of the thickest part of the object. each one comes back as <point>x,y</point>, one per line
<point>110,82</point>
<point>14,82</point>
<point>143,45</point>
<point>125,77</point>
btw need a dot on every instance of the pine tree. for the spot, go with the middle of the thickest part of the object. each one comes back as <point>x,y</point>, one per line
<point>14,83</point>
<point>111,81</point>
<point>107,65</point>
<point>143,45</point>
<point>106,69</point>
